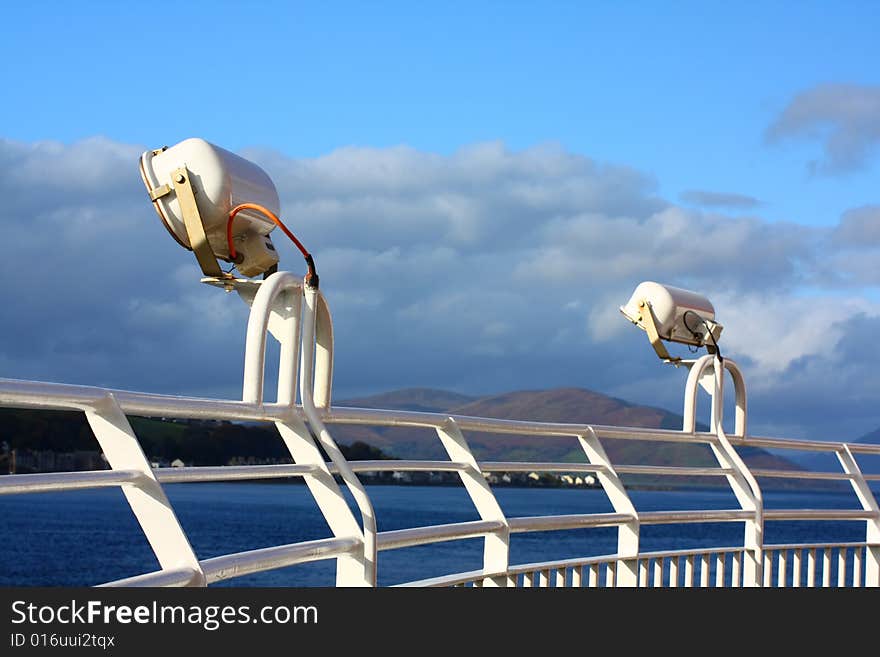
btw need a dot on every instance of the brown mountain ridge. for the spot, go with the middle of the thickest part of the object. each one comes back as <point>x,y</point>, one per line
<point>574,405</point>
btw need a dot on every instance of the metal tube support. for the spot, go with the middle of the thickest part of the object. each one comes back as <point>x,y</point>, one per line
<point>698,376</point>
<point>146,498</point>
<point>496,549</point>
<point>281,318</point>
<point>323,380</point>
<point>628,532</point>
<point>744,485</point>
<point>361,498</point>
<point>277,308</point>
<point>869,503</point>
<point>289,308</point>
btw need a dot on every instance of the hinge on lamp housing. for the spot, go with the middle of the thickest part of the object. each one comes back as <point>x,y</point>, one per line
<point>158,192</point>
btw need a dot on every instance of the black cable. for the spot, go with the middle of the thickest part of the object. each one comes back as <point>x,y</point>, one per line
<point>312,279</point>
<point>697,335</point>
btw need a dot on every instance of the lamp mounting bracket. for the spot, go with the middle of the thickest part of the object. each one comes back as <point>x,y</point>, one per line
<point>195,229</point>
<point>647,318</point>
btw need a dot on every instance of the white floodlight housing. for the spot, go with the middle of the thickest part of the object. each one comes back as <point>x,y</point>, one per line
<point>673,314</point>
<point>194,185</point>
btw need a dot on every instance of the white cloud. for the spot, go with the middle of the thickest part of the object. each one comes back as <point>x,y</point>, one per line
<point>776,330</point>
<point>486,270</point>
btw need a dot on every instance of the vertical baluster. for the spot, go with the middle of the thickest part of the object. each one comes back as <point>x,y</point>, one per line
<point>841,567</point>
<point>658,573</point>
<point>797,557</point>
<point>811,568</point>
<point>783,562</point>
<point>673,571</point>
<point>736,570</point>
<point>593,575</point>
<point>857,567</point>
<point>562,577</point>
<point>528,580</point>
<point>826,567</point>
<point>544,579</point>
<point>610,574</point>
<point>704,571</point>
<point>689,571</point>
<point>644,565</point>
<point>577,576</point>
<point>768,568</point>
<point>720,558</point>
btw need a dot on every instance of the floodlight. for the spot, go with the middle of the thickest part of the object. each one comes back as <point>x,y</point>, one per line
<point>195,186</point>
<point>675,315</point>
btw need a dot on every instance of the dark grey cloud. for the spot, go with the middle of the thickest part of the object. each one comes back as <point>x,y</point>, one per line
<point>843,371</point>
<point>859,227</point>
<point>483,271</point>
<point>725,200</point>
<point>845,118</point>
<point>94,292</point>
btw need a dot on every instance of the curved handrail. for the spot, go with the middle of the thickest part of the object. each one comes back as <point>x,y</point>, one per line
<point>299,317</point>
<point>279,556</point>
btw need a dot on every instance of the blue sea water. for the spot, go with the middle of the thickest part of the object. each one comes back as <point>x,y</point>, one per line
<point>88,537</point>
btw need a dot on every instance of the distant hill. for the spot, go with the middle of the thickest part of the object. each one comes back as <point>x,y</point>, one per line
<point>573,405</point>
<point>200,442</point>
<point>413,399</point>
<point>872,438</point>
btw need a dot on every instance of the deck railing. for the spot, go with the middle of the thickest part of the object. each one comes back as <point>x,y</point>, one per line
<point>299,318</point>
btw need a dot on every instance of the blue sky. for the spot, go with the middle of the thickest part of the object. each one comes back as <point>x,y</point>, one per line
<point>751,126</point>
<point>683,91</point>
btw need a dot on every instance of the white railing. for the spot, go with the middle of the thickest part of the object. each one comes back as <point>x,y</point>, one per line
<point>298,317</point>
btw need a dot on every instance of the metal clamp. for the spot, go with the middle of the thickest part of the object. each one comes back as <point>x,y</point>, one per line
<point>195,229</point>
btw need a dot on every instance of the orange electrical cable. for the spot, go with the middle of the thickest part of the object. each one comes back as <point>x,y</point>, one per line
<point>266,212</point>
<point>311,278</point>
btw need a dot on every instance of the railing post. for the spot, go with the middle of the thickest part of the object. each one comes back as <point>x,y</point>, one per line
<point>496,548</point>
<point>628,532</point>
<point>869,503</point>
<point>146,499</point>
<point>744,485</point>
<point>312,305</point>
<point>276,307</point>
<point>351,569</point>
